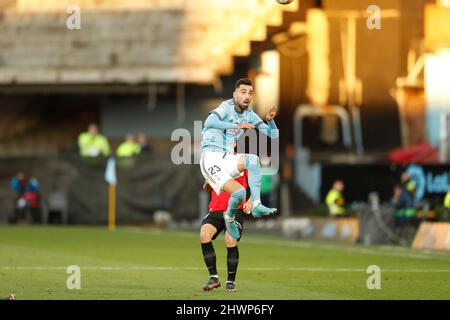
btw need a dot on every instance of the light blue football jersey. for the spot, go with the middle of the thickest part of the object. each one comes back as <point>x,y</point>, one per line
<point>224,140</point>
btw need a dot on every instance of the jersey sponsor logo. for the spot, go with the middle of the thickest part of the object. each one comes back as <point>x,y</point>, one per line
<point>235,132</point>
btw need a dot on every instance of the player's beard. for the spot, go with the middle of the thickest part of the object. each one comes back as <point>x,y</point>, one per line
<point>241,107</point>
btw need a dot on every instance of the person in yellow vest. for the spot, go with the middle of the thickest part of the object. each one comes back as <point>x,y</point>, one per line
<point>408,183</point>
<point>408,209</point>
<point>129,147</point>
<point>335,200</point>
<point>447,204</point>
<point>92,143</point>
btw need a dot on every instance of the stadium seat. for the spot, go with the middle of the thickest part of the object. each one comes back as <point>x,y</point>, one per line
<point>56,203</point>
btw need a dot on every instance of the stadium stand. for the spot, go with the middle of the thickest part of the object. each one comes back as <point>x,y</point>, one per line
<point>131,46</point>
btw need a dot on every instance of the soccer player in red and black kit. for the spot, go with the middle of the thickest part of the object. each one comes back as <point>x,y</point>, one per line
<point>212,225</point>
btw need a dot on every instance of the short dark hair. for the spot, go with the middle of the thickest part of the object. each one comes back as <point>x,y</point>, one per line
<point>244,81</point>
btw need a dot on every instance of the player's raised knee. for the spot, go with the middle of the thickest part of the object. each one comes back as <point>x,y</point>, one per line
<point>251,160</point>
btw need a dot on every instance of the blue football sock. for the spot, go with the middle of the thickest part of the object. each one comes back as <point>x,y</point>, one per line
<point>254,175</point>
<point>236,198</point>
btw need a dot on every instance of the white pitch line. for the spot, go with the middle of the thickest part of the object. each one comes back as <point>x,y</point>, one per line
<point>354,249</point>
<point>161,268</point>
<point>421,254</point>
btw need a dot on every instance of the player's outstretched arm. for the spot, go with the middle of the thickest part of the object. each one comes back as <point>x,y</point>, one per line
<point>270,129</point>
<point>214,122</point>
<point>273,132</point>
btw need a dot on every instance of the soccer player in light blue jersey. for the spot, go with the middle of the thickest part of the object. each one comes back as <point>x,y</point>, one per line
<point>220,165</point>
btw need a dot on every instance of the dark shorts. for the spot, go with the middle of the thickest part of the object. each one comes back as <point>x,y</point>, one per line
<point>216,219</point>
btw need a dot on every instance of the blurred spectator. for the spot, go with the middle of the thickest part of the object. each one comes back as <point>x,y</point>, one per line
<point>143,141</point>
<point>335,200</point>
<point>404,210</point>
<point>27,202</point>
<point>92,143</point>
<point>396,196</point>
<point>447,204</point>
<point>129,147</point>
<point>408,184</point>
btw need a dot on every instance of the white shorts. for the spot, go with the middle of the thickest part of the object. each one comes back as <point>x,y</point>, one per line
<point>219,167</point>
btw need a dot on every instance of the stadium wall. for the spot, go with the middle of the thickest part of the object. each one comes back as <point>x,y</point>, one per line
<point>433,236</point>
<point>145,184</point>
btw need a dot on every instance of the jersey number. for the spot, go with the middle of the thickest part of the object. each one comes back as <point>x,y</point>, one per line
<point>214,169</point>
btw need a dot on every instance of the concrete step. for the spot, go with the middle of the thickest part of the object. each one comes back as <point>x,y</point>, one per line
<point>186,35</point>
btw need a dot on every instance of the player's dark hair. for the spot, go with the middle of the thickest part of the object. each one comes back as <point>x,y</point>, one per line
<point>244,81</point>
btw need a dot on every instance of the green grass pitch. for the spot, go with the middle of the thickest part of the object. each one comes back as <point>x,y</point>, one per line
<point>137,263</point>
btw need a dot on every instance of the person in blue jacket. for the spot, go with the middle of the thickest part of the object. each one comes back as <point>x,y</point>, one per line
<point>27,202</point>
